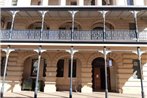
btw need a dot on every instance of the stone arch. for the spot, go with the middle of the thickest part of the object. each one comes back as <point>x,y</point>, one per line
<point>100,23</point>
<point>38,24</point>
<point>65,54</point>
<point>113,56</point>
<point>92,57</point>
<point>27,54</point>
<point>70,22</point>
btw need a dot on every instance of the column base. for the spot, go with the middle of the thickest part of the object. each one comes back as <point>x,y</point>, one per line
<point>86,89</point>
<point>50,87</point>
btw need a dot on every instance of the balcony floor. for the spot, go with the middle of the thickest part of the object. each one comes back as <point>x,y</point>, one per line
<point>65,94</point>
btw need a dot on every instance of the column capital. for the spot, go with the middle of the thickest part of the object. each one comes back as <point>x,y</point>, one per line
<point>39,50</point>
<point>134,13</point>
<point>71,51</point>
<point>73,13</point>
<point>43,13</point>
<point>138,52</point>
<point>103,13</point>
<point>14,13</point>
<point>8,50</point>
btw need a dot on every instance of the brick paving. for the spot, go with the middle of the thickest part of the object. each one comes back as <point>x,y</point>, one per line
<point>28,94</point>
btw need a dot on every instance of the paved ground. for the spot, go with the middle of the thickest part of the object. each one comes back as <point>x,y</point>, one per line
<point>25,94</point>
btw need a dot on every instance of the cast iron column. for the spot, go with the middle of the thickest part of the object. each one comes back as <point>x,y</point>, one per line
<point>39,51</point>
<point>104,24</point>
<point>106,80</point>
<point>136,26</point>
<point>12,24</point>
<point>140,70</point>
<point>8,50</point>
<point>73,20</point>
<point>72,52</point>
<point>42,22</point>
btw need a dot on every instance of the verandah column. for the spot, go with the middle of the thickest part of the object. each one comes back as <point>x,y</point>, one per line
<point>139,53</point>
<point>39,51</point>
<point>12,24</point>
<point>104,24</point>
<point>136,25</point>
<point>72,52</point>
<point>105,52</point>
<point>43,13</point>
<point>8,51</point>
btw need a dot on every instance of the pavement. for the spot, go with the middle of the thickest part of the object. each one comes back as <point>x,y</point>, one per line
<point>65,94</point>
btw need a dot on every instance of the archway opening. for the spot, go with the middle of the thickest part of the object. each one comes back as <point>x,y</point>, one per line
<point>63,74</point>
<point>30,73</point>
<point>98,75</point>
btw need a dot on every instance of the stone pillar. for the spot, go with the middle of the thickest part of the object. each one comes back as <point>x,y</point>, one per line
<point>45,3</point>
<point>21,3</point>
<point>50,80</point>
<point>139,2</point>
<point>80,2</point>
<point>121,2</point>
<point>14,73</point>
<point>8,2</point>
<point>86,79</point>
<point>98,2</point>
<point>63,2</point>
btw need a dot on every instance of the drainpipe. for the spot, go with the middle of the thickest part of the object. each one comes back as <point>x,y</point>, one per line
<point>8,51</point>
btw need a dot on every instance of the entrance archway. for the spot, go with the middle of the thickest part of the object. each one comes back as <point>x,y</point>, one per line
<point>30,72</point>
<point>98,75</point>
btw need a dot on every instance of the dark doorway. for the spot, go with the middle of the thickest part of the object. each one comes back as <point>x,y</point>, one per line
<point>98,75</point>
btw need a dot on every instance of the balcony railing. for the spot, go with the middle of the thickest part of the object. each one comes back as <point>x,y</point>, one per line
<point>77,35</point>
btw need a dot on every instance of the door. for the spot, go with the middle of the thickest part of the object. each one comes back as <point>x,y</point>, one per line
<point>97,79</point>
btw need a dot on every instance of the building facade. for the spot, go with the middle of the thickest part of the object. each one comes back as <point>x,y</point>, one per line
<point>84,28</point>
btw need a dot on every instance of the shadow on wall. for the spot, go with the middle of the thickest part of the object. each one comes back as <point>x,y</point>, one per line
<point>129,77</point>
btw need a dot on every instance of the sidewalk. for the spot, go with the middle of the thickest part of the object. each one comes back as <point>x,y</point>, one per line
<point>65,94</point>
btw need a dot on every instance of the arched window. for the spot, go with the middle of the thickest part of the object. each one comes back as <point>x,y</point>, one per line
<point>68,26</point>
<point>37,25</point>
<point>60,68</point>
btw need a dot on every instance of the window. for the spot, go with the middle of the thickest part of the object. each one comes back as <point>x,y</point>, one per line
<point>92,2</point>
<point>9,25</point>
<point>2,65</point>
<point>130,2</point>
<point>44,68</point>
<point>136,69</point>
<point>132,26</point>
<point>60,68</point>
<point>104,2</point>
<point>73,3</point>
<point>35,67</point>
<point>14,2</point>
<point>74,68</point>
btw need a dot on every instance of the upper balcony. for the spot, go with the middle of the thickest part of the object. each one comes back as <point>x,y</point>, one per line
<point>69,36</point>
<point>73,2</point>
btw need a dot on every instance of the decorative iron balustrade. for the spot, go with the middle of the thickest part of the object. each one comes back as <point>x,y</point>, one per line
<point>77,35</point>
